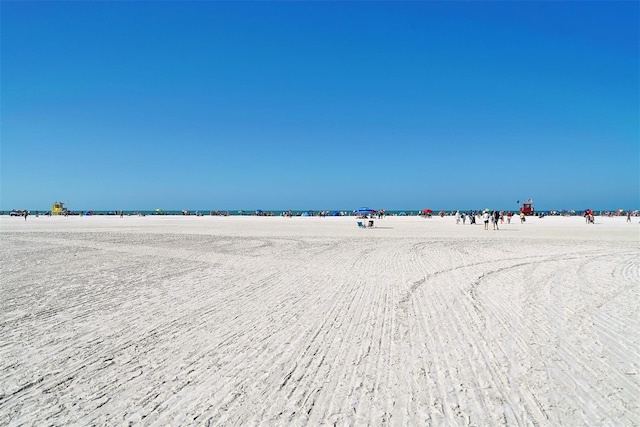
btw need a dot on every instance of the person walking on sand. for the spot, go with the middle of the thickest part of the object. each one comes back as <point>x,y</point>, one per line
<point>485,218</point>
<point>521,217</point>
<point>26,214</point>
<point>495,217</point>
<point>628,216</point>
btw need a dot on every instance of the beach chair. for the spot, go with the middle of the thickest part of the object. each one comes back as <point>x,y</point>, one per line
<point>361,225</point>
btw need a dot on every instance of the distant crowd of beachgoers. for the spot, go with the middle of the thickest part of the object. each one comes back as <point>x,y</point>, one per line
<point>371,213</point>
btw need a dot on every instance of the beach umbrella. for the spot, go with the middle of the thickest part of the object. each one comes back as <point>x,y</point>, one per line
<point>427,211</point>
<point>364,210</point>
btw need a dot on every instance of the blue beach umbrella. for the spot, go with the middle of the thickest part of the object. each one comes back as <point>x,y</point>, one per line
<point>364,211</point>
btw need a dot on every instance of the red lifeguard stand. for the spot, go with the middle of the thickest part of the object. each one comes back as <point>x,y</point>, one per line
<point>527,208</point>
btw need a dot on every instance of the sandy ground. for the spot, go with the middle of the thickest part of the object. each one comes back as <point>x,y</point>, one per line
<point>313,321</point>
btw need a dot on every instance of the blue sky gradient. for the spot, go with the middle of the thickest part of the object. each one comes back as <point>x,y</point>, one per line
<point>320,105</point>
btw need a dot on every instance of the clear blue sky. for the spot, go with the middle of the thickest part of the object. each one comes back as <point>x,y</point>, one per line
<point>320,105</point>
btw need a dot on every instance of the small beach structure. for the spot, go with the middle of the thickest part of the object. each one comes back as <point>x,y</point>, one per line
<point>58,208</point>
<point>527,208</point>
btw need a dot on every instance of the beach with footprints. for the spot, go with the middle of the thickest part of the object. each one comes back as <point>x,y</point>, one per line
<point>314,321</point>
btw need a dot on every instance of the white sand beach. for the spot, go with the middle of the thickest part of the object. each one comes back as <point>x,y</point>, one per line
<point>313,321</point>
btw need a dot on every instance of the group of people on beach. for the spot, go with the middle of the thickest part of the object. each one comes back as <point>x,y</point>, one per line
<point>495,217</point>
<point>589,216</point>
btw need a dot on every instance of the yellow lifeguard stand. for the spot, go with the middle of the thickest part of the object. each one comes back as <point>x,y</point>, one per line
<point>58,208</point>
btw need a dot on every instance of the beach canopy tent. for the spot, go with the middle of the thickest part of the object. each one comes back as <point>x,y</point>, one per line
<point>364,211</point>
